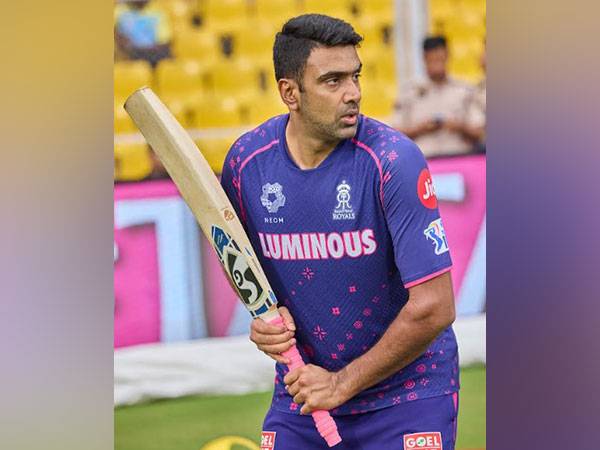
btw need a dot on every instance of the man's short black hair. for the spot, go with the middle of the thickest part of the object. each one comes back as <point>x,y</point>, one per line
<point>301,34</point>
<point>433,42</point>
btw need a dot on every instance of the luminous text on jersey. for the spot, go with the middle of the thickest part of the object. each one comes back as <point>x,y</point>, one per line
<point>318,245</point>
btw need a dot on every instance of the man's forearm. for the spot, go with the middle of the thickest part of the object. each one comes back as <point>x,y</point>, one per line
<point>409,335</point>
<point>415,131</point>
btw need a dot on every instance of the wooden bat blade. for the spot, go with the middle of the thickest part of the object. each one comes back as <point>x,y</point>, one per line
<point>203,193</point>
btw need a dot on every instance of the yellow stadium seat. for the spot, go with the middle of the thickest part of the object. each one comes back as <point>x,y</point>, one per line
<point>202,45</point>
<point>122,121</point>
<point>182,109</point>
<point>381,8</point>
<point>467,69</point>
<point>216,111</point>
<point>181,80</point>
<point>439,12</point>
<point>131,75</point>
<point>132,162</point>
<point>180,13</point>
<point>275,11</point>
<point>473,18</point>
<point>378,65</point>
<point>441,8</point>
<point>266,72</point>
<point>376,31</point>
<point>225,10</point>
<point>378,99</point>
<point>458,28</point>
<point>468,48</point>
<point>233,76</point>
<point>478,6</point>
<point>338,10</point>
<point>215,150</point>
<point>386,69</point>
<point>253,39</point>
<point>259,108</point>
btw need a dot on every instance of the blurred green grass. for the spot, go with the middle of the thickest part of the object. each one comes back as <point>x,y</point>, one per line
<point>188,423</point>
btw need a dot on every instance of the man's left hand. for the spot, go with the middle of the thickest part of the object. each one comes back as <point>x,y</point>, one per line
<point>454,126</point>
<point>315,387</point>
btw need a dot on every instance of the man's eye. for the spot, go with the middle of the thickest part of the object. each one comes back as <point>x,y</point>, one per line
<point>332,81</point>
<point>356,76</point>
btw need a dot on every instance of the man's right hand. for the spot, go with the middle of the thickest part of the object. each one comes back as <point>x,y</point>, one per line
<point>274,339</point>
<point>432,125</point>
<point>425,127</point>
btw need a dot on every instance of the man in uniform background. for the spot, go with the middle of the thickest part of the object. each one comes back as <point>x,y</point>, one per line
<point>433,112</point>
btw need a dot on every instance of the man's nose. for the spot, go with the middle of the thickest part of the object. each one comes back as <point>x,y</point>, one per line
<point>352,93</point>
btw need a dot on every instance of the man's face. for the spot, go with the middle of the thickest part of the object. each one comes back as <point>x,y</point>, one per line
<point>435,63</point>
<point>330,99</point>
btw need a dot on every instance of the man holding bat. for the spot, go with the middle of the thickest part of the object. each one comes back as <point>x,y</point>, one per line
<point>342,213</point>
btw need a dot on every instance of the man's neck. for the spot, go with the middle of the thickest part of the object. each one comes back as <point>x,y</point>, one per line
<point>439,81</point>
<point>306,150</point>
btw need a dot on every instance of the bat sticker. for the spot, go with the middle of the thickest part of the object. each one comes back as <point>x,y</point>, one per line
<point>220,240</point>
<point>228,215</point>
<point>248,287</point>
<point>236,264</point>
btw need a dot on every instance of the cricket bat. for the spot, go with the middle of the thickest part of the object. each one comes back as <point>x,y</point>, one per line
<point>203,193</point>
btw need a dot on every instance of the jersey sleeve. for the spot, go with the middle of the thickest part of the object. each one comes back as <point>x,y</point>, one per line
<point>420,246</point>
<point>230,178</point>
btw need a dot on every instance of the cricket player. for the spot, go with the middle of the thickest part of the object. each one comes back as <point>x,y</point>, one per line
<point>343,215</point>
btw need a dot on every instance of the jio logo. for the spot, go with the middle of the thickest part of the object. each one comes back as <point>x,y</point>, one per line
<point>425,190</point>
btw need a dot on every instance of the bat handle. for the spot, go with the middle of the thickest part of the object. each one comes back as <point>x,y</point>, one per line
<point>325,424</point>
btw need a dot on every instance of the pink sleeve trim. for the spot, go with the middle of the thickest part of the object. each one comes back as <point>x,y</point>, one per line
<point>427,278</point>
<point>371,152</point>
<point>244,163</point>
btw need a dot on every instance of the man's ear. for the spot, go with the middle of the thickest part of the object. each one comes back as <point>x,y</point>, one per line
<point>289,92</point>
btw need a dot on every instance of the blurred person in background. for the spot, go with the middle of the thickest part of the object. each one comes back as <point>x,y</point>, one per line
<point>433,112</point>
<point>476,111</point>
<point>142,31</point>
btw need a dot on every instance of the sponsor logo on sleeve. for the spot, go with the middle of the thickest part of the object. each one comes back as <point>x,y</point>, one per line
<point>267,440</point>
<point>425,190</point>
<point>423,441</point>
<point>435,232</point>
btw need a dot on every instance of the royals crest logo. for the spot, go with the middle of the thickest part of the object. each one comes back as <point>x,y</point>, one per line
<point>435,232</point>
<point>343,209</point>
<point>272,197</point>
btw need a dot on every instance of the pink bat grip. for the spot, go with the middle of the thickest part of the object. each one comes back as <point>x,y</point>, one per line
<point>323,420</point>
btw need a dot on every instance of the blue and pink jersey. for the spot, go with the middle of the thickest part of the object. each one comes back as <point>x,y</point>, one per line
<point>341,245</point>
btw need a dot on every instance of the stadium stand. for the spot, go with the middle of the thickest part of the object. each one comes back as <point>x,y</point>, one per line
<point>463,23</point>
<point>216,111</point>
<point>128,76</point>
<point>132,162</point>
<point>200,44</point>
<point>221,73</point>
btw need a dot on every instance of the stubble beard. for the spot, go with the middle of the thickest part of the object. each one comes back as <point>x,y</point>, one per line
<point>331,132</point>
